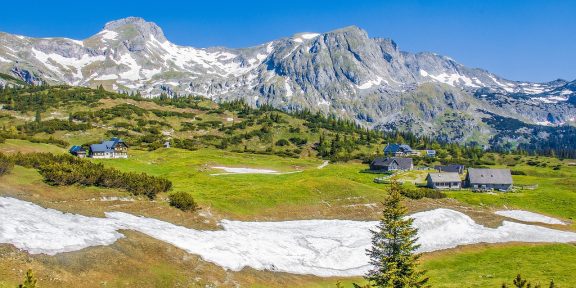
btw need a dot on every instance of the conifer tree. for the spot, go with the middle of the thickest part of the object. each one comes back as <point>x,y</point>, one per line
<point>392,256</point>
<point>38,117</point>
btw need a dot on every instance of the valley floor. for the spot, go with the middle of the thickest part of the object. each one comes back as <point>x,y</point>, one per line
<point>337,191</point>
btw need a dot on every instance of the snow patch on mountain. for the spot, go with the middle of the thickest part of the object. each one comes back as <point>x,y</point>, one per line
<point>451,79</point>
<point>73,64</point>
<point>371,83</point>
<point>106,77</point>
<point>289,91</point>
<point>108,35</point>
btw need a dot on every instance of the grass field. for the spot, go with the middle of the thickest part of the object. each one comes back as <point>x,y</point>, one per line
<point>312,193</point>
<point>484,266</point>
<point>241,195</point>
<point>23,146</point>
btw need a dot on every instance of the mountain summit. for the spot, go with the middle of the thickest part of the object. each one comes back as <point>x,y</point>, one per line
<point>135,27</point>
<point>344,72</point>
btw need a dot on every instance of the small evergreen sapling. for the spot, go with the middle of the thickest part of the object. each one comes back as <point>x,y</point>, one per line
<point>392,256</point>
<point>29,280</point>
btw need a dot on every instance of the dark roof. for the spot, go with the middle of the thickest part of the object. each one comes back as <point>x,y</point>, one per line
<point>444,177</point>
<point>489,176</point>
<point>450,168</point>
<point>76,149</point>
<point>106,146</point>
<point>404,163</point>
<point>394,147</point>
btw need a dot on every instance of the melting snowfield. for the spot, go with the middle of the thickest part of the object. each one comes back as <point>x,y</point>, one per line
<point>319,247</point>
<point>232,170</point>
<point>529,216</point>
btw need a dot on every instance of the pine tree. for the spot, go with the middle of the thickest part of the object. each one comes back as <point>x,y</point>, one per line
<point>38,117</point>
<point>29,280</point>
<point>393,245</point>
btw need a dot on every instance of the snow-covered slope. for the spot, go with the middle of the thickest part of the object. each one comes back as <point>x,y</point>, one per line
<point>341,71</point>
<point>318,247</point>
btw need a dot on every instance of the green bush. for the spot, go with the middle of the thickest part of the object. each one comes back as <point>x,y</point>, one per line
<point>5,164</point>
<point>413,193</point>
<point>282,142</point>
<point>434,194</point>
<point>183,201</point>
<point>419,193</point>
<point>517,172</point>
<point>68,170</point>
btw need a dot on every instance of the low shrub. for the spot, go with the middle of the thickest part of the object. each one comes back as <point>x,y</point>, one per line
<point>69,170</point>
<point>5,164</point>
<point>282,142</point>
<point>517,172</point>
<point>434,194</point>
<point>419,193</point>
<point>183,201</point>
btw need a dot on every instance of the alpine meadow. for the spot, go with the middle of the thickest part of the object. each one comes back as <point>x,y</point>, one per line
<point>320,159</point>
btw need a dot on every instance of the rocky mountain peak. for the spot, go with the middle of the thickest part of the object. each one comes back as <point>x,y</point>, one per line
<point>343,71</point>
<point>134,27</point>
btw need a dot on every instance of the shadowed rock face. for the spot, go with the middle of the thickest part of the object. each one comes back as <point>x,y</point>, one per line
<point>342,71</point>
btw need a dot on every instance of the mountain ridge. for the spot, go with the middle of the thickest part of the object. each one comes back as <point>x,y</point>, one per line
<point>343,72</point>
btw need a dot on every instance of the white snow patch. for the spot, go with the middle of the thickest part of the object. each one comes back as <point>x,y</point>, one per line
<point>245,170</point>
<point>529,216</point>
<point>108,35</point>
<point>291,51</point>
<point>318,247</point>
<point>323,102</point>
<point>544,123</point>
<point>38,230</point>
<point>287,87</point>
<point>149,73</point>
<point>73,64</point>
<point>451,79</point>
<point>77,42</point>
<point>106,77</point>
<point>218,63</point>
<point>134,68</point>
<point>551,99</point>
<point>2,59</point>
<point>309,36</point>
<point>324,164</point>
<point>233,170</point>
<point>507,87</point>
<point>371,83</point>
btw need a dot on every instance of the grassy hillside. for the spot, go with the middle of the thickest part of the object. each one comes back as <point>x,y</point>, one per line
<point>205,135</point>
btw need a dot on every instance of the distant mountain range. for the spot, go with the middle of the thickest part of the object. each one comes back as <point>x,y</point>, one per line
<point>343,72</point>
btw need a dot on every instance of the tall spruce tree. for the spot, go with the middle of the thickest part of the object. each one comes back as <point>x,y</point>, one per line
<point>392,256</point>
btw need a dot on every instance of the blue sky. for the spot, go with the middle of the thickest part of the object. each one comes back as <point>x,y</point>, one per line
<point>519,40</point>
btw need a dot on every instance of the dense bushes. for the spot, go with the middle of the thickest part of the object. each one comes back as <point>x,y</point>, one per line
<point>5,164</point>
<point>183,201</point>
<point>282,142</point>
<point>419,193</point>
<point>51,126</point>
<point>69,170</point>
<point>517,172</point>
